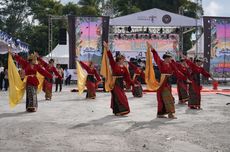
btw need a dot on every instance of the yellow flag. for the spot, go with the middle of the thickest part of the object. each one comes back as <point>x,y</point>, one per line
<point>41,80</point>
<point>16,85</point>
<point>151,82</point>
<point>81,78</point>
<point>106,72</point>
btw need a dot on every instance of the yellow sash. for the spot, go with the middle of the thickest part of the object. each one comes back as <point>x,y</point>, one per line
<point>106,72</point>
<point>81,78</point>
<point>151,82</point>
<point>16,85</point>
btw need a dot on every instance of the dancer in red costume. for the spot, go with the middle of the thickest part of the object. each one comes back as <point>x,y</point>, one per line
<point>31,69</point>
<point>119,101</point>
<point>164,93</point>
<point>48,83</point>
<point>195,87</point>
<point>182,86</point>
<point>93,79</point>
<point>138,74</point>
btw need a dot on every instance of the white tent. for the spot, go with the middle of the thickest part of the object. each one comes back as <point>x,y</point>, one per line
<point>200,48</point>
<point>60,53</point>
<point>155,17</point>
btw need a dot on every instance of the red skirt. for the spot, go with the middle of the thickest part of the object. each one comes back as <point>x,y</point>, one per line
<point>47,88</point>
<point>119,101</point>
<point>194,96</point>
<point>91,89</point>
<point>165,100</point>
<point>182,90</point>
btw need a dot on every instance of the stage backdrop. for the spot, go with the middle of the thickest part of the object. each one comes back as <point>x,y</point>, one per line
<point>87,35</point>
<point>217,46</point>
<point>136,48</point>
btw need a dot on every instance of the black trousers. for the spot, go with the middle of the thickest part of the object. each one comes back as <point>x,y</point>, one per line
<point>6,84</point>
<point>58,82</point>
<point>1,80</point>
<point>67,81</point>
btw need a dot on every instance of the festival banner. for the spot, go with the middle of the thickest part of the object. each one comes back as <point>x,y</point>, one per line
<point>220,48</point>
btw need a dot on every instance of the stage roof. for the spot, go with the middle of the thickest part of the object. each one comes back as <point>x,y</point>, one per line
<point>155,17</point>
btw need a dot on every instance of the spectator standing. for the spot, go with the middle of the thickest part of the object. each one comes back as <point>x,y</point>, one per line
<point>58,81</point>
<point>6,81</point>
<point>2,75</point>
<point>67,76</point>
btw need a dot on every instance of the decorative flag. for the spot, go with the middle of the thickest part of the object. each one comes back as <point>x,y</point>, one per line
<point>81,78</point>
<point>16,85</point>
<point>41,81</point>
<point>106,71</point>
<point>150,79</point>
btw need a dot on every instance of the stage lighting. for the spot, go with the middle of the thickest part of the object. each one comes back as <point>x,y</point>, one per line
<point>119,36</point>
<point>167,36</point>
<point>147,30</point>
<point>177,30</point>
<point>155,36</point>
<point>163,36</point>
<point>161,31</point>
<point>129,28</point>
<point>172,36</point>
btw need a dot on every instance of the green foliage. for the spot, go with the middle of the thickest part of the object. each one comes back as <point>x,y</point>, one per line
<point>13,13</point>
<point>71,9</point>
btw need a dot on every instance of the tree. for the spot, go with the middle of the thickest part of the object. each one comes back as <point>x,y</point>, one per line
<point>13,13</point>
<point>90,7</point>
<point>43,8</point>
<point>71,9</point>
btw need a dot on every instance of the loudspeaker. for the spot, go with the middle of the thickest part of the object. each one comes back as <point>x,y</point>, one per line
<point>62,36</point>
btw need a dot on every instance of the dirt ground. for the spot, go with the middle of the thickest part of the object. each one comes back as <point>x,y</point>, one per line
<point>71,123</point>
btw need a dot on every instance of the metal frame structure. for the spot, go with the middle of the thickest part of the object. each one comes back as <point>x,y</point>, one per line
<point>198,28</point>
<point>50,30</point>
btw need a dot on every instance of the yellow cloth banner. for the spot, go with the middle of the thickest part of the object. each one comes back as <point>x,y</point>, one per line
<point>16,85</point>
<point>151,82</point>
<point>106,72</point>
<point>41,79</point>
<point>81,78</point>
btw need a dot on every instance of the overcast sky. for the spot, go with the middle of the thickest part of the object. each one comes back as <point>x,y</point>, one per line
<point>211,7</point>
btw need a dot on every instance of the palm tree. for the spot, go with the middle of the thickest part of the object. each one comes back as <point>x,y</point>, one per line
<point>92,3</point>
<point>90,7</point>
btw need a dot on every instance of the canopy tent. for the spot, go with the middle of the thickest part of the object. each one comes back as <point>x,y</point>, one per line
<point>200,52</point>
<point>60,53</point>
<point>17,46</point>
<point>155,17</point>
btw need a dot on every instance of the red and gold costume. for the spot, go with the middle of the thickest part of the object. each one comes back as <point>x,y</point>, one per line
<point>182,86</point>
<point>92,81</point>
<point>195,87</point>
<point>32,81</point>
<point>119,101</point>
<point>165,99</point>
<point>138,74</point>
<point>47,87</point>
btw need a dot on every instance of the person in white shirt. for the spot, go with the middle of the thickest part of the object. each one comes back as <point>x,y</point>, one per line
<point>59,82</point>
<point>2,75</point>
<point>67,76</point>
<point>6,81</point>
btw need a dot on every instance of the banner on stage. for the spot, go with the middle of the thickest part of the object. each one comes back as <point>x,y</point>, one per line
<point>136,48</point>
<point>220,48</point>
<point>88,32</point>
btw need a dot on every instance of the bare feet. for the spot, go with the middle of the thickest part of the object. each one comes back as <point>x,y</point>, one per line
<point>161,116</point>
<point>171,116</point>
